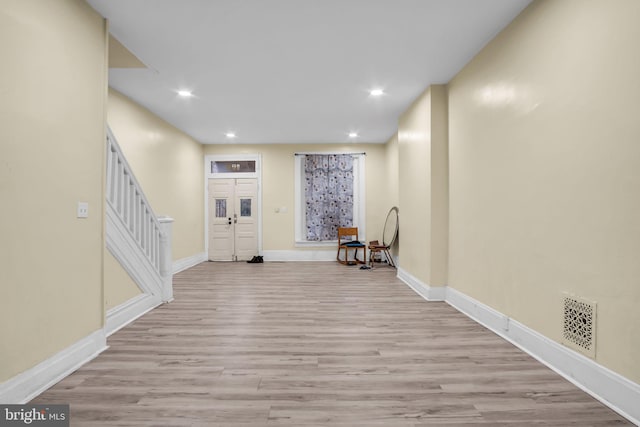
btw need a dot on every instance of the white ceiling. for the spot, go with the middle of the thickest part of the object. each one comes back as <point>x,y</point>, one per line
<point>294,71</point>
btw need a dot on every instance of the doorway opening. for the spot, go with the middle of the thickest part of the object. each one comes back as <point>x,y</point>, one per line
<point>233,207</point>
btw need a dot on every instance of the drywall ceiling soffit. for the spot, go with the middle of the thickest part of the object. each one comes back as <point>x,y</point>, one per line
<point>121,57</point>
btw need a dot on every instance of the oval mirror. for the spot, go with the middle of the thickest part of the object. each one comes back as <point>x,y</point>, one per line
<point>390,231</point>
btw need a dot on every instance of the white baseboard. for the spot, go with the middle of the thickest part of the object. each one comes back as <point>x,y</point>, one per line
<point>302,255</point>
<point>30,383</point>
<point>430,293</point>
<point>481,313</point>
<point>185,263</point>
<point>120,316</point>
<point>614,390</point>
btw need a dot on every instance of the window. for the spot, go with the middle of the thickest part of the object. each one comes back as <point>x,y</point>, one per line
<point>329,194</point>
<point>238,166</point>
<point>232,166</point>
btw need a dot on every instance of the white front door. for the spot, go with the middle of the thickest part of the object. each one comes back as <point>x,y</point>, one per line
<point>233,225</point>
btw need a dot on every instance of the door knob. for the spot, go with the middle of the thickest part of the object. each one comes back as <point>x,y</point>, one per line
<point>229,221</point>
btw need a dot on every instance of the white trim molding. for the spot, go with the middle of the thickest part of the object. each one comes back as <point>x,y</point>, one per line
<point>120,316</point>
<point>166,257</point>
<point>613,390</point>
<point>124,249</point>
<point>134,234</point>
<point>209,175</point>
<point>30,383</point>
<point>430,293</point>
<point>610,388</point>
<point>185,263</point>
<point>317,255</point>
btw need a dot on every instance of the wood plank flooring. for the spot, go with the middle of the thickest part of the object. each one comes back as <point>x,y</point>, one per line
<point>314,344</point>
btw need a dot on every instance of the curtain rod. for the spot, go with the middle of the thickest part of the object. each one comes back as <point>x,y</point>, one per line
<point>305,153</point>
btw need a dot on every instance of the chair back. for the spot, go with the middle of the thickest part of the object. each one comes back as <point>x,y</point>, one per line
<point>347,234</point>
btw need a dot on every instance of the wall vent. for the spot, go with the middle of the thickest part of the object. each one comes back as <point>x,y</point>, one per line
<point>579,330</point>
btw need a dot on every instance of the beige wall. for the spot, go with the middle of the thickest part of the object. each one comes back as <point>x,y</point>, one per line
<point>392,189</point>
<point>392,171</point>
<point>423,187</point>
<point>52,109</point>
<point>278,186</point>
<point>545,155</point>
<point>414,156</point>
<point>168,164</point>
<point>439,186</point>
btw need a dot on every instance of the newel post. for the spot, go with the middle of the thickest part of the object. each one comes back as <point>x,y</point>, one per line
<point>166,259</point>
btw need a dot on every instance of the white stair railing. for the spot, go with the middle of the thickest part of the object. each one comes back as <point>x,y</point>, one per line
<point>137,238</point>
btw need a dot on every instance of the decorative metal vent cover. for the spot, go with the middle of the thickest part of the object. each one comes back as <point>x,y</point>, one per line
<point>579,330</point>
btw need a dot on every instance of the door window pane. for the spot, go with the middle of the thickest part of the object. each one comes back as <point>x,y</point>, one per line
<point>245,207</point>
<point>221,208</point>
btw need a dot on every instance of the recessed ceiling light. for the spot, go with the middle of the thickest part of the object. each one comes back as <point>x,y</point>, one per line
<point>230,134</point>
<point>376,92</point>
<point>353,134</point>
<point>185,93</point>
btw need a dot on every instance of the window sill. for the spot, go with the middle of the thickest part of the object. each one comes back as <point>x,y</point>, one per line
<point>323,244</point>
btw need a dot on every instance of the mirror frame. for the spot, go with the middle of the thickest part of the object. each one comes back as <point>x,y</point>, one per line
<point>392,212</point>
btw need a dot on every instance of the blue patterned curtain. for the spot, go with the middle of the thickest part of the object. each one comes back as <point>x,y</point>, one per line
<point>328,191</point>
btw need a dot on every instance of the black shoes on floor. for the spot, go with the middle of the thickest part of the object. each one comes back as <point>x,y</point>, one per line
<point>256,260</point>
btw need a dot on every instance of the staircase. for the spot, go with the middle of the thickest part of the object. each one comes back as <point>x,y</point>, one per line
<point>137,238</point>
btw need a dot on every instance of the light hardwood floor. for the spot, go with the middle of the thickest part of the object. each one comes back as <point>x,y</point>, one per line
<point>314,344</point>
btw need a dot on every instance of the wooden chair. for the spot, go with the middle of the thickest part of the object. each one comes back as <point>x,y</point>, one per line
<point>376,247</point>
<point>389,235</point>
<point>348,240</point>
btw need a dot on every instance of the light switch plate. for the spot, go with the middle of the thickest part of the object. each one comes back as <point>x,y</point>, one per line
<point>83,210</point>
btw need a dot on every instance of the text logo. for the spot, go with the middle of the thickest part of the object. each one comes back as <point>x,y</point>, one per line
<point>34,415</point>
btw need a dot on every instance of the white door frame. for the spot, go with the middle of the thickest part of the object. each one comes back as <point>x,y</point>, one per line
<point>209,175</point>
